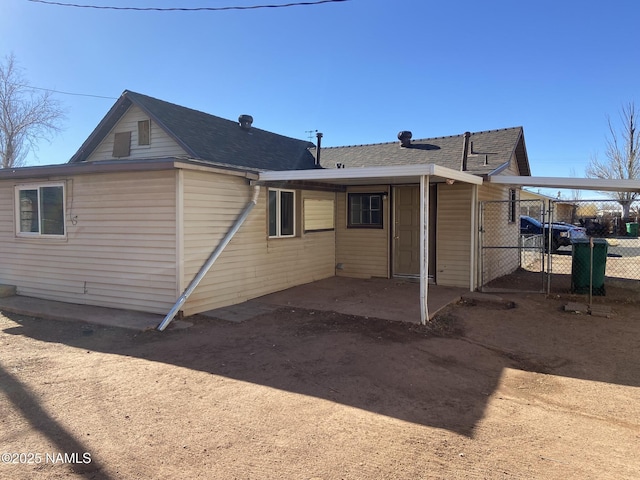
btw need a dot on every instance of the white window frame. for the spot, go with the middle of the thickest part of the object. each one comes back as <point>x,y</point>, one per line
<point>279,213</point>
<point>38,187</point>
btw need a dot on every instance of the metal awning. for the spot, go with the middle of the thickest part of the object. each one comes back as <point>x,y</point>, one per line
<point>388,175</point>
<point>598,184</point>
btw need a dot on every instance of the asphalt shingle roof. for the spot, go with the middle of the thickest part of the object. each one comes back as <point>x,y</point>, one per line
<point>209,138</point>
<point>488,151</point>
<point>223,142</point>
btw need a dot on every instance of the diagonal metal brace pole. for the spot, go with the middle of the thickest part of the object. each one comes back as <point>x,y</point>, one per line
<point>212,258</point>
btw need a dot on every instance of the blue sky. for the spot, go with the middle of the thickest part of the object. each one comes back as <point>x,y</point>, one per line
<point>358,71</point>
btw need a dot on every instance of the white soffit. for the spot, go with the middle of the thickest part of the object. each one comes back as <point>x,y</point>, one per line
<point>571,183</point>
<point>386,174</point>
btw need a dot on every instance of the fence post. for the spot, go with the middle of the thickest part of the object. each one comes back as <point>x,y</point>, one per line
<point>590,271</point>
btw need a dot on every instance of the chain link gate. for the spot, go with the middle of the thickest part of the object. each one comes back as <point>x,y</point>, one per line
<point>513,252</point>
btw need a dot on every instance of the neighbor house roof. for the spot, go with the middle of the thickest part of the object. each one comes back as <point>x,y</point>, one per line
<point>488,153</point>
<point>207,138</point>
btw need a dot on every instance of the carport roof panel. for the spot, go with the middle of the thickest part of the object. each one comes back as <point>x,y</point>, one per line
<point>599,184</point>
<point>368,175</point>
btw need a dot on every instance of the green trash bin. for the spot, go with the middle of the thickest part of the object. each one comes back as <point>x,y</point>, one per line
<point>581,272</point>
<point>632,229</point>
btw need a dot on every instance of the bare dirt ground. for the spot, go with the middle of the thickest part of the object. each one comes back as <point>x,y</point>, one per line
<point>484,393</point>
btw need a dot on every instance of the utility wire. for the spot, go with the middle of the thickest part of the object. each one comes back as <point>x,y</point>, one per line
<point>68,93</point>
<point>187,9</point>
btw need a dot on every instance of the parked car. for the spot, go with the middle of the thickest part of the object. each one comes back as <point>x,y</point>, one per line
<point>562,234</point>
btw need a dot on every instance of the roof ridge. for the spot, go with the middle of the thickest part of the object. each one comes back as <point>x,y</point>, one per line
<point>425,139</point>
<point>519,127</point>
<point>129,92</point>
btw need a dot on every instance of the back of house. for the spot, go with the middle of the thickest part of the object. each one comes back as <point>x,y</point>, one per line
<point>136,212</point>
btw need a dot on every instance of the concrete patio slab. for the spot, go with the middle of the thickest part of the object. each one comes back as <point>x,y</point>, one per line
<point>388,299</point>
<point>241,312</point>
<point>110,317</point>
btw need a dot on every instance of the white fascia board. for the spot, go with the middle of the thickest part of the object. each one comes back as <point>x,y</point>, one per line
<point>345,174</point>
<point>326,174</point>
<point>571,183</point>
<point>445,172</point>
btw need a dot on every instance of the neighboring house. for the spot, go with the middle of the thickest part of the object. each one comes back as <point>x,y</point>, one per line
<point>533,203</point>
<point>133,216</point>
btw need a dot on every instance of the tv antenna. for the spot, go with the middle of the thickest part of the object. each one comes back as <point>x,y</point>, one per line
<point>310,134</point>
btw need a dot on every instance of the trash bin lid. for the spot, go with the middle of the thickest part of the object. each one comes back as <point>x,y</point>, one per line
<point>596,241</point>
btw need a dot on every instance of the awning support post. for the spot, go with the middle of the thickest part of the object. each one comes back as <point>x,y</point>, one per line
<point>424,248</point>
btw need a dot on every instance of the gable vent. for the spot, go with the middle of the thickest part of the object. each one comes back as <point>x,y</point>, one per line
<point>245,121</point>
<point>121,144</point>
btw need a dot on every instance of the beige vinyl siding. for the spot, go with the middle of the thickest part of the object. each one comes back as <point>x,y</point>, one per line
<point>161,144</point>
<point>512,168</point>
<point>488,192</point>
<point>252,264</point>
<point>363,252</point>
<point>453,234</point>
<point>119,250</point>
<point>498,231</point>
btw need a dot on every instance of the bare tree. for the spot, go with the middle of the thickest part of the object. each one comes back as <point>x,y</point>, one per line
<point>576,194</point>
<point>25,117</point>
<point>623,157</point>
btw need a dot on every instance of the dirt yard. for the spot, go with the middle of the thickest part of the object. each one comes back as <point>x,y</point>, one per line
<point>485,393</point>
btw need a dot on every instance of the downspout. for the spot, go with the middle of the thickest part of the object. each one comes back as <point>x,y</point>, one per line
<point>209,263</point>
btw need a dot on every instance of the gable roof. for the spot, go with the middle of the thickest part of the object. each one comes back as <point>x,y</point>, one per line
<point>206,137</point>
<point>489,152</point>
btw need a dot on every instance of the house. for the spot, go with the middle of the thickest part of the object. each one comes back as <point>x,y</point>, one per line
<point>135,214</point>
<point>533,204</point>
<point>451,218</point>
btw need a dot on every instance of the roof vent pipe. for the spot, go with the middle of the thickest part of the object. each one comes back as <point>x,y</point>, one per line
<point>319,137</point>
<point>465,151</point>
<point>245,121</point>
<point>405,138</point>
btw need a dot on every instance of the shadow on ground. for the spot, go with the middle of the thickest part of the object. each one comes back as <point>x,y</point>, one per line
<point>28,404</point>
<point>391,368</point>
<point>440,376</point>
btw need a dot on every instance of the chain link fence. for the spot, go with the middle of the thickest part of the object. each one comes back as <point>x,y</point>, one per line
<point>608,252</point>
<point>578,246</point>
